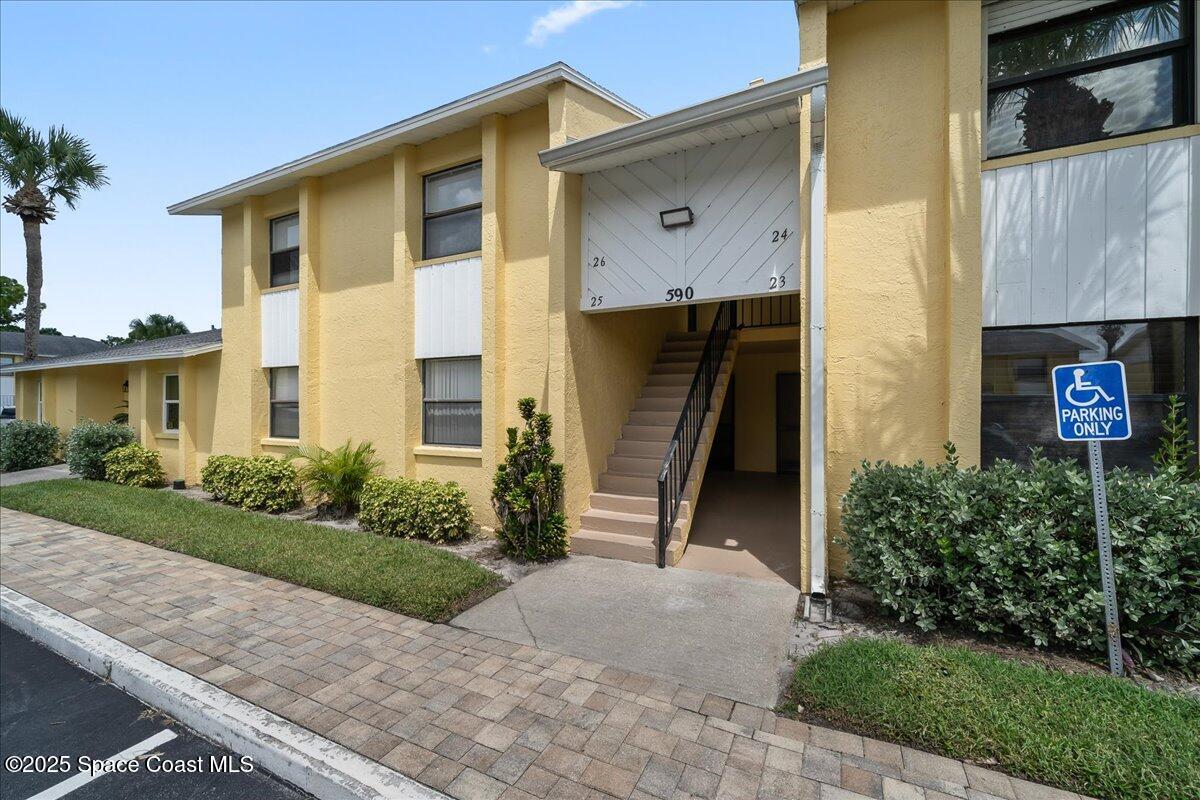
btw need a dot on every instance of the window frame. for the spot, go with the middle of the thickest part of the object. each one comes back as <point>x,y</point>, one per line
<point>272,403</point>
<point>426,402</point>
<point>272,252</point>
<point>166,403</point>
<point>1191,361</point>
<point>41,401</point>
<point>428,216</point>
<point>1185,83</point>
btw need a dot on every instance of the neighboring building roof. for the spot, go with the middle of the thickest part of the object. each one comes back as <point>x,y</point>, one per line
<point>509,97</point>
<point>187,344</point>
<point>13,343</point>
<point>758,108</point>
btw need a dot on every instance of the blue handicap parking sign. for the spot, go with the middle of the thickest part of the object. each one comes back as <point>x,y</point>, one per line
<point>1091,402</point>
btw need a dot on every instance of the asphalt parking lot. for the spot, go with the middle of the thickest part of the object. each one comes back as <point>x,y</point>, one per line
<point>55,719</point>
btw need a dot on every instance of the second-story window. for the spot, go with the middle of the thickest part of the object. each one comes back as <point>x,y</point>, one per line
<point>285,250</point>
<point>1117,69</point>
<point>453,211</point>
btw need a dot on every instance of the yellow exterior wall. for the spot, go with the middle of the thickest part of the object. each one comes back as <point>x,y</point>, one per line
<point>754,427</point>
<point>72,395</point>
<point>904,304</point>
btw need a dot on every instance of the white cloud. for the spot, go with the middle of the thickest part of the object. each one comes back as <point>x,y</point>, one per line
<point>558,19</point>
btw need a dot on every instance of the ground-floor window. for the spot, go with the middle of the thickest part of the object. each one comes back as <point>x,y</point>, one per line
<point>285,402</point>
<point>170,414</point>
<point>1160,358</point>
<point>453,401</point>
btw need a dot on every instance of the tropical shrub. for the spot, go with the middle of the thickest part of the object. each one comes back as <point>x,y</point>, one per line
<point>1176,450</point>
<point>89,441</point>
<point>261,483</point>
<point>134,465</point>
<point>527,492</point>
<point>25,444</point>
<point>335,478</point>
<point>1012,550</point>
<point>415,509</point>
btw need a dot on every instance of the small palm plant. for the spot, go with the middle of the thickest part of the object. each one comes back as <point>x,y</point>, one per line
<point>335,478</point>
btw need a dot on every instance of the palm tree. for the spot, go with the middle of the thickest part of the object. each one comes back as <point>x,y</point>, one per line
<point>41,170</point>
<point>155,326</point>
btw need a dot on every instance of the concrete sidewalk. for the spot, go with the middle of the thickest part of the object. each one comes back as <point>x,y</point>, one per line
<point>721,633</point>
<point>474,716</point>
<point>54,472</point>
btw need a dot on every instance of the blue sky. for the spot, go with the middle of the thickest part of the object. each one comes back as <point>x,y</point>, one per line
<point>181,98</point>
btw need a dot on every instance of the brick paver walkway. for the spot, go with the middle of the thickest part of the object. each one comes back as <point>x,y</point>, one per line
<point>469,715</point>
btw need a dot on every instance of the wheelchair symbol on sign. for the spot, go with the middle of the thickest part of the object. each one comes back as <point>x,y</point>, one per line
<point>1082,386</point>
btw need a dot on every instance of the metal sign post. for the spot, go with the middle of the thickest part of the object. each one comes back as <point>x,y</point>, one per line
<point>1112,622</point>
<point>1091,403</point>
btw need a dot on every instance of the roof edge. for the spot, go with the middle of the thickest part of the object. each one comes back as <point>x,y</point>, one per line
<point>558,71</point>
<point>36,365</point>
<point>701,115</point>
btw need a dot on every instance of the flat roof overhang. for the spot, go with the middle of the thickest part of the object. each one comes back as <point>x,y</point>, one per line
<point>761,107</point>
<point>525,91</point>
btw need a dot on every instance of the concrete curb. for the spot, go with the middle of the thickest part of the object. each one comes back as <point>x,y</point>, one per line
<point>297,755</point>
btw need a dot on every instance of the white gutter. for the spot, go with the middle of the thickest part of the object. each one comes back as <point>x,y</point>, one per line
<point>572,157</point>
<point>816,334</point>
<point>207,203</point>
<point>35,365</point>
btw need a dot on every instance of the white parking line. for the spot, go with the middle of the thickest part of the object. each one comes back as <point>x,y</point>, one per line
<point>71,784</point>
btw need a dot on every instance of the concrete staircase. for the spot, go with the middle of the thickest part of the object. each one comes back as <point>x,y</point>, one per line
<point>622,519</point>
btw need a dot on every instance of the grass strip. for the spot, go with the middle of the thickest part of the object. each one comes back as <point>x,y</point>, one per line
<point>1092,734</point>
<point>403,576</point>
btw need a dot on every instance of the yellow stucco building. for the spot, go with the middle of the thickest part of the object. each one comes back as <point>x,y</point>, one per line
<point>725,307</point>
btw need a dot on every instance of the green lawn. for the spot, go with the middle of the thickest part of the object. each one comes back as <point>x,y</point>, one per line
<point>395,574</point>
<point>1088,733</point>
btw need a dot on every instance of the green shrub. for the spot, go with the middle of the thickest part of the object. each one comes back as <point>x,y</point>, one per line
<point>528,490</point>
<point>255,484</point>
<point>335,478</point>
<point>1176,450</point>
<point>1013,550</point>
<point>28,445</point>
<point>89,441</point>
<point>415,509</point>
<point>134,465</point>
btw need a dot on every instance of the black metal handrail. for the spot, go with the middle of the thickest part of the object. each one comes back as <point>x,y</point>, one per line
<point>681,450</point>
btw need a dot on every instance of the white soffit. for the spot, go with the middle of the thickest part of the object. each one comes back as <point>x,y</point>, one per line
<point>509,97</point>
<point>753,110</point>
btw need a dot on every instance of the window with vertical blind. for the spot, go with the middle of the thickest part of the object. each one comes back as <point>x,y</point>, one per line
<point>285,250</point>
<point>170,413</point>
<point>453,413</point>
<point>1116,69</point>
<point>285,402</point>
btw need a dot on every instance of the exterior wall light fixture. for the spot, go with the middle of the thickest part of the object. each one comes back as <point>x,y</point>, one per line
<point>676,217</point>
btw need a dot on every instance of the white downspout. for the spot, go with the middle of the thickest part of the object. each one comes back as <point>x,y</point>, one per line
<point>816,334</point>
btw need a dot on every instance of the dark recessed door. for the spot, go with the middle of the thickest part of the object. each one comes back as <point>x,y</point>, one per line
<point>787,422</point>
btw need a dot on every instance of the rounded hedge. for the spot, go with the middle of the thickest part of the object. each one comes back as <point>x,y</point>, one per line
<point>25,444</point>
<point>261,483</point>
<point>89,441</point>
<point>134,465</point>
<point>1012,550</point>
<point>415,509</point>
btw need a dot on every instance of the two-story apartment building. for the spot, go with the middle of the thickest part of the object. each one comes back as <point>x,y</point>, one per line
<point>728,306</point>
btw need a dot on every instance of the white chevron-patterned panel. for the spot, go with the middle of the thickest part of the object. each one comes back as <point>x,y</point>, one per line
<point>745,195</point>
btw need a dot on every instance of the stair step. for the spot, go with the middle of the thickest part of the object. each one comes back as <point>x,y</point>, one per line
<point>660,404</point>
<point>687,336</point>
<point>648,433</point>
<point>691,356</point>
<point>640,448</point>
<point>666,390</point>
<point>623,522</point>
<point>647,466</point>
<point>688,346</point>
<point>665,367</point>
<point>642,550</point>
<point>632,504</point>
<point>653,417</point>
